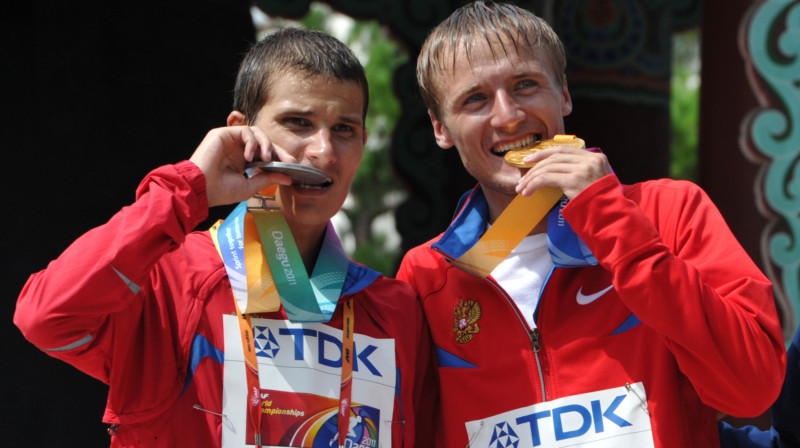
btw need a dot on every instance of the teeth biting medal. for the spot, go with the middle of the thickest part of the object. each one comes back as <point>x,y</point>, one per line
<point>515,157</point>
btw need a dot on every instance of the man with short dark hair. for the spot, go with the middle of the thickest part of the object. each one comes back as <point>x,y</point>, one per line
<point>259,331</point>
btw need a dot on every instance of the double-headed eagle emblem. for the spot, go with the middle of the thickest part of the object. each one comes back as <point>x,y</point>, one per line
<point>465,321</point>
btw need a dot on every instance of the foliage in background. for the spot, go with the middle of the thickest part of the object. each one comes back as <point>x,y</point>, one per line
<point>375,191</point>
<point>684,105</point>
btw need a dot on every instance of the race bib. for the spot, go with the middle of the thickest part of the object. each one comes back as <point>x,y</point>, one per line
<point>299,369</point>
<point>613,418</point>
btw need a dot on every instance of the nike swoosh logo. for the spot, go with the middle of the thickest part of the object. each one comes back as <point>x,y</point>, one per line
<point>584,299</point>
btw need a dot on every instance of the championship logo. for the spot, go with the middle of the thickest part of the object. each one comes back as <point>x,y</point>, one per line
<point>321,430</point>
<point>465,321</point>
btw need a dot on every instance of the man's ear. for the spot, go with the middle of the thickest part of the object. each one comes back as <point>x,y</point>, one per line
<point>566,100</point>
<point>441,132</point>
<point>364,142</point>
<point>236,118</point>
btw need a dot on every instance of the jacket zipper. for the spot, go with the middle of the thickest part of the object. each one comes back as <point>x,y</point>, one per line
<point>533,335</point>
<point>537,347</point>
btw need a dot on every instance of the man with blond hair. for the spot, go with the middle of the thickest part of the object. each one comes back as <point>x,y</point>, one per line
<point>629,316</point>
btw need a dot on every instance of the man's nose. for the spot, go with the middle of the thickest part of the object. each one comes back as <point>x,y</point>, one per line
<point>506,111</point>
<point>321,149</point>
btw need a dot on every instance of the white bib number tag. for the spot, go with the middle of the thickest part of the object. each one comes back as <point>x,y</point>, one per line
<point>299,368</point>
<point>612,418</point>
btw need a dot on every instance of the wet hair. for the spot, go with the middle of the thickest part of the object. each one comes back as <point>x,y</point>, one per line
<point>293,51</point>
<point>492,22</point>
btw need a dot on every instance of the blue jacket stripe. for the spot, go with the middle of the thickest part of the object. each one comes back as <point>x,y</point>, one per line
<point>447,359</point>
<point>629,323</point>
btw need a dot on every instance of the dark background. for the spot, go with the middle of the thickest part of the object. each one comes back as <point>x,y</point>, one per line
<point>94,97</point>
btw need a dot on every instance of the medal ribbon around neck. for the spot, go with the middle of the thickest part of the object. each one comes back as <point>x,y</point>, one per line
<point>515,222</point>
<point>265,268</point>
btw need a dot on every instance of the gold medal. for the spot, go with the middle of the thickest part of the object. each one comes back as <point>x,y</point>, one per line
<point>515,157</point>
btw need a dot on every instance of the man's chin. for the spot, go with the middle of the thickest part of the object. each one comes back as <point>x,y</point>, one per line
<point>503,186</point>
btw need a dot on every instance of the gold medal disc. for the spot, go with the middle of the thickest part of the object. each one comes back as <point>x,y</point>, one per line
<point>515,157</point>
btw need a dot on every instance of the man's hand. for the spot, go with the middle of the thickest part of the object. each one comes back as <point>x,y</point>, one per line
<point>564,167</point>
<point>222,156</point>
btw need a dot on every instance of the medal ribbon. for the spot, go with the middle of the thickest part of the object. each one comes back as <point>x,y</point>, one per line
<point>304,299</point>
<point>256,231</point>
<point>239,247</point>
<point>248,345</point>
<point>515,223</point>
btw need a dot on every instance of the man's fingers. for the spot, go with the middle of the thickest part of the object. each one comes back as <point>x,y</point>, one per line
<point>567,168</point>
<point>260,147</point>
<point>262,179</point>
<point>283,155</point>
<point>250,142</point>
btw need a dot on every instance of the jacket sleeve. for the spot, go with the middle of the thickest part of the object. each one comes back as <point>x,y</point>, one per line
<point>406,273</point>
<point>679,269</point>
<point>746,437</point>
<point>94,300</point>
<point>785,411</point>
<point>785,430</point>
<point>425,386</point>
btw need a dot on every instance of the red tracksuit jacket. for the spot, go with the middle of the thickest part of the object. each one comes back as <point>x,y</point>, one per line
<point>675,304</point>
<point>139,302</point>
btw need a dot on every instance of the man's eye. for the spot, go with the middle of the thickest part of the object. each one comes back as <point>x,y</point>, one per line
<point>296,121</point>
<point>474,98</point>
<point>526,84</point>
<point>342,128</point>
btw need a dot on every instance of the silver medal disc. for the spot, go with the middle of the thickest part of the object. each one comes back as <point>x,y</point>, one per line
<point>300,174</point>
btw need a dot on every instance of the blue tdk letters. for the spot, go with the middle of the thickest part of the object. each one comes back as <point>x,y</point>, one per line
<point>329,349</point>
<point>589,418</point>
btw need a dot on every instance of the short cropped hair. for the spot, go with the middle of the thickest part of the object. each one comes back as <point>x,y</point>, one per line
<point>293,51</point>
<point>489,21</point>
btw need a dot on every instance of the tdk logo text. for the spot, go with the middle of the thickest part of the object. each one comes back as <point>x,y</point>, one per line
<point>313,346</point>
<point>553,421</point>
<point>609,418</point>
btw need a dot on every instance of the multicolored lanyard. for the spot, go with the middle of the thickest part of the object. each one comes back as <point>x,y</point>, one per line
<point>346,389</point>
<point>255,242</point>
